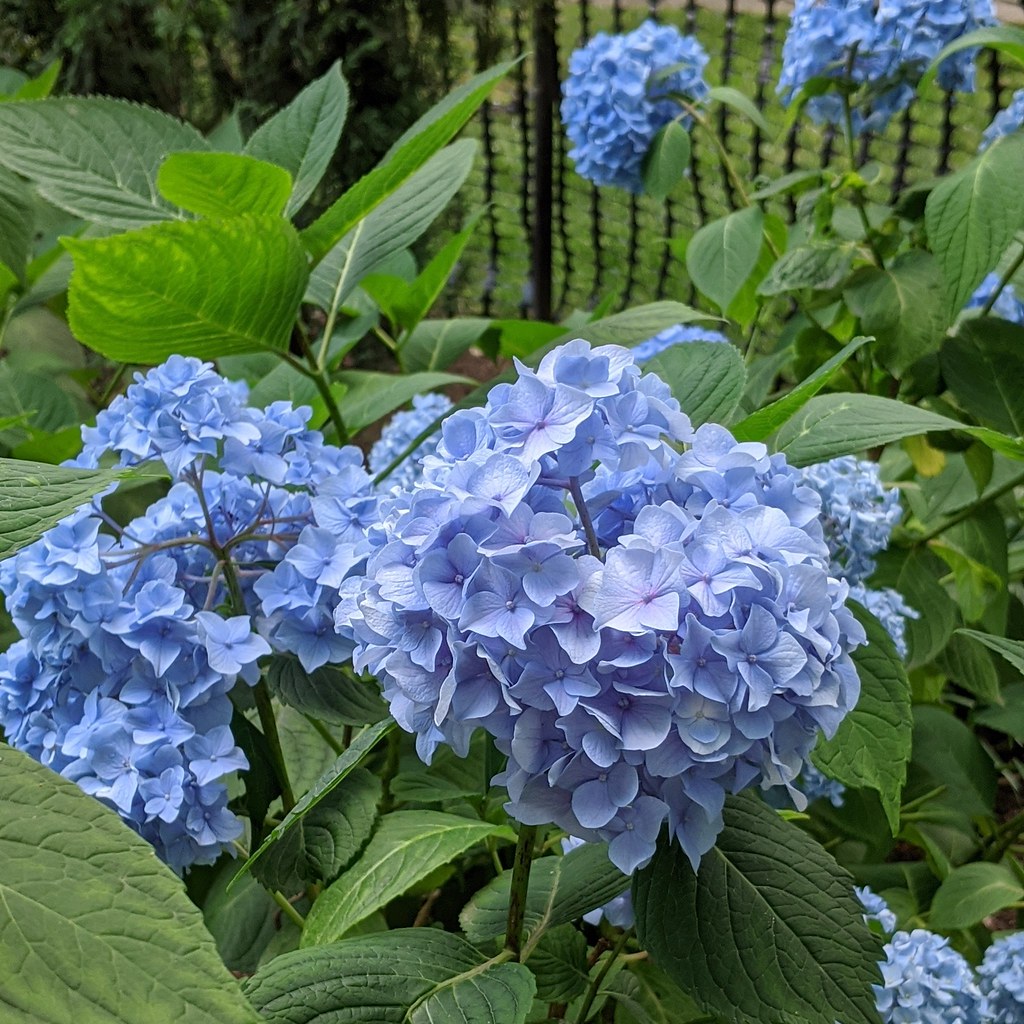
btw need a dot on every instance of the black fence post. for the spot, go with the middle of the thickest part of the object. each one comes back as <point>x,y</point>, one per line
<point>545,99</point>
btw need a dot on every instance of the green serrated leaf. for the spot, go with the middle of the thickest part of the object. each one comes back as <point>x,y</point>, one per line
<point>16,220</point>
<point>434,130</point>
<point>204,288</point>
<point>94,157</point>
<point>1010,650</point>
<point>303,136</point>
<point>707,378</point>
<point>562,889</point>
<point>762,424</point>
<point>970,666</point>
<point>767,932</point>
<point>872,745</point>
<point>362,743</point>
<point>436,344</point>
<point>241,922</point>
<point>35,496</point>
<point>370,395</point>
<point>393,225</point>
<point>820,266</point>
<point>722,255</point>
<point>972,216</point>
<point>405,976</point>
<point>844,424</point>
<point>983,366</point>
<point>559,963</point>
<point>327,693</point>
<point>406,847</point>
<point>971,893</point>
<point>1007,718</point>
<point>224,184</point>
<point>738,101</point>
<point>36,398</point>
<point>667,160</point>
<point>80,892</point>
<point>902,306</point>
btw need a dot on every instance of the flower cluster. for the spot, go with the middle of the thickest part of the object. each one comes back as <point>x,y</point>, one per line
<point>400,431</point>
<point>923,979</point>
<point>1007,305</point>
<point>1006,121</point>
<point>1001,978</point>
<point>882,48</point>
<point>641,638</point>
<point>677,335</point>
<point>133,636</point>
<point>616,98</point>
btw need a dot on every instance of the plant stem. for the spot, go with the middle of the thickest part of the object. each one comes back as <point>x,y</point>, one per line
<point>289,911</point>
<point>268,723</point>
<point>1005,836</point>
<point>598,979</point>
<point>318,375</point>
<point>858,196</point>
<point>581,507</point>
<point>520,885</point>
<point>968,510</point>
<point>1003,282</point>
<point>325,734</point>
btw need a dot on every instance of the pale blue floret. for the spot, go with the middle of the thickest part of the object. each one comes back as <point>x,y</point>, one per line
<point>703,653</point>
<point>400,431</point>
<point>677,335</point>
<point>615,101</point>
<point>1007,121</point>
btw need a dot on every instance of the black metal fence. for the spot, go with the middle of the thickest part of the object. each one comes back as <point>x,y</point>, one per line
<point>551,242</point>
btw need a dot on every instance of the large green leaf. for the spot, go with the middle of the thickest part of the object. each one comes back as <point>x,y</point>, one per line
<point>559,963</point>
<point>820,266</point>
<point>391,226</point>
<point>370,395</point>
<point>406,847</point>
<point>303,136</point>
<point>16,216</point>
<point>667,160</point>
<point>436,344</point>
<point>722,255</point>
<point>561,890</point>
<point>327,839</point>
<point>94,929</point>
<point>707,378</point>
<point>35,496</point>
<point>373,188</point>
<point>361,745</point>
<point>224,184</point>
<point>872,745</point>
<point>405,976</point>
<point>35,398</point>
<point>768,931</point>
<point>983,365</point>
<point>903,306</point>
<point>327,693</point>
<point>763,423</point>
<point>971,217</point>
<point>1011,650</point>
<point>971,893</point>
<point>96,158</point>
<point>1008,39</point>
<point>204,288</point>
<point>844,424</point>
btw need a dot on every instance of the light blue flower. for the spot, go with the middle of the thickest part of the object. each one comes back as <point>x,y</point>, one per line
<point>1001,976</point>
<point>1007,306</point>
<point>677,335</point>
<point>616,99</point>
<point>1007,121</point>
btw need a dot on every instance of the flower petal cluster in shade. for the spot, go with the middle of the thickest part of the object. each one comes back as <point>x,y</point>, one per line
<point>133,635</point>
<point>923,979</point>
<point>680,334</point>
<point>1007,121</point>
<point>400,431</point>
<point>641,614</point>
<point>1007,305</point>
<point>879,49</point>
<point>616,98</point>
<point>1001,978</point>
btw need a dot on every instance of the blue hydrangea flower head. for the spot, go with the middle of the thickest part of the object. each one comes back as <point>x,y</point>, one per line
<point>400,431</point>
<point>1001,977</point>
<point>876,910</point>
<point>880,50</point>
<point>1007,306</point>
<point>1006,122</point>
<point>924,980</point>
<point>641,614</point>
<point>132,637</point>
<point>680,334</point>
<point>615,100</point>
